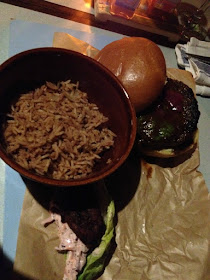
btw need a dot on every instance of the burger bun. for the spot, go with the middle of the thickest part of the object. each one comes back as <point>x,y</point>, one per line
<point>170,153</point>
<point>140,66</point>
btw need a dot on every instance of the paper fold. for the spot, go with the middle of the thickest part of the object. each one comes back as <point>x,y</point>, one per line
<point>62,40</point>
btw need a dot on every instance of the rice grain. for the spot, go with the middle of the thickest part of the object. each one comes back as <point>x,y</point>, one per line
<point>55,131</point>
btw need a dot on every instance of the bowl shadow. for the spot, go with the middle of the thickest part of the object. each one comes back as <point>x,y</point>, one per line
<point>123,183</point>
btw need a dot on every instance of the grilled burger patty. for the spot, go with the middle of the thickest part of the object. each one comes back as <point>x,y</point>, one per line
<point>79,209</point>
<point>171,121</point>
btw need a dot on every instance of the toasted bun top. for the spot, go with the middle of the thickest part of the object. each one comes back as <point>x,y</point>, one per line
<point>140,66</point>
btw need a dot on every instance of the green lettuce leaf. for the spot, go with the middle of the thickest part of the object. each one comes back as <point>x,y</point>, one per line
<point>96,260</point>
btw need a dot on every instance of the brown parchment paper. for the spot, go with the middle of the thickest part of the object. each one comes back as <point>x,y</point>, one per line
<point>62,40</point>
<point>163,227</point>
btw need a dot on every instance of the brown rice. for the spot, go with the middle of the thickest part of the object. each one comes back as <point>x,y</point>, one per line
<point>54,130</point>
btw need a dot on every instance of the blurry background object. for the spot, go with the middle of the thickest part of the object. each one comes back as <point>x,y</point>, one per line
<point>136,16</point>
<point>162,9</point>
<point>124,8</point>
<point>194,20</point>
<point>88,3</point>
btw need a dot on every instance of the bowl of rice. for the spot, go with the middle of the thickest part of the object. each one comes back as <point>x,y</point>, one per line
<point>65,119</point>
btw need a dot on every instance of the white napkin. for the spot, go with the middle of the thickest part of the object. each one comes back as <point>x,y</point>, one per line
<point>203,90</point>
<point>197,47</point>
<point>200,71</point>
<point>195,58</point>
<point>181,55</point>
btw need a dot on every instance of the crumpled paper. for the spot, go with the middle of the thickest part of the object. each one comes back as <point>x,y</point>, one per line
<point>163,232</point>
<point>163,227</point>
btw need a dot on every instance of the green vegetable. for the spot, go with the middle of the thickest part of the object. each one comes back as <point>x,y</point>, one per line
<point>96,260</point>
<point>165,131</point>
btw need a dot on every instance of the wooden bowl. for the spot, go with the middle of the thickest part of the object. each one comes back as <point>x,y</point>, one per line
<point>31,69</point>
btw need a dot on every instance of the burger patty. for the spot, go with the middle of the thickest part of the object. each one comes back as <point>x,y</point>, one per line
<point>79,209</point>
<point>172,120</point>
<point>87,225</point>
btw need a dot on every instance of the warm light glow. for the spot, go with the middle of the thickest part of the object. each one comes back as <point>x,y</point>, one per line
<point>88,3</point>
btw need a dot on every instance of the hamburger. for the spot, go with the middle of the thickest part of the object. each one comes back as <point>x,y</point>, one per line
<point>164,99</point>
<point>168,127</point>
<point>84,218</point>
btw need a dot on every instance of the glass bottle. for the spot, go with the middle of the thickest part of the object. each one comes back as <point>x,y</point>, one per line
<point>124,8</point>
<point>194,22</point>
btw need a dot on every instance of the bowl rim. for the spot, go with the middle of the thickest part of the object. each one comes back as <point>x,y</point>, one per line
<point>86,180</point>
